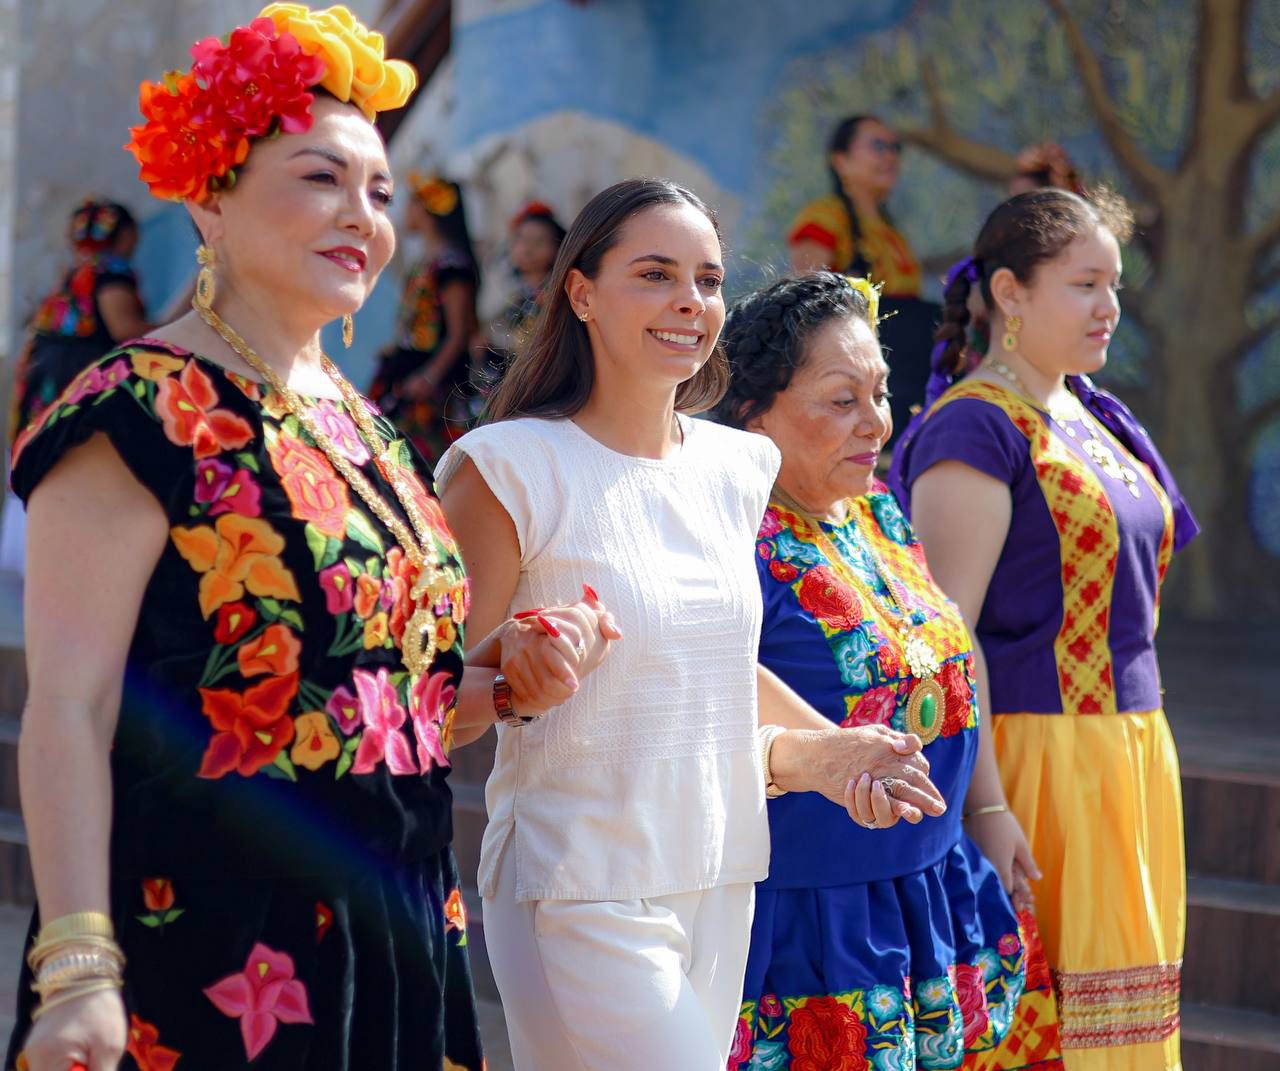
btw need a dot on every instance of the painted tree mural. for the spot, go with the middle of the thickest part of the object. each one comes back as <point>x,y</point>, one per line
<point>1177,103</point>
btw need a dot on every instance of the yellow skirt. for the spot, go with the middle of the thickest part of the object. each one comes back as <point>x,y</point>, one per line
<point>1101,803</point>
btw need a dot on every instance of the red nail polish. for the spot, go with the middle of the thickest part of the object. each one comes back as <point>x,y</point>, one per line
<point>527,613</point>
<point>590,593</point>
<point>551,630</point>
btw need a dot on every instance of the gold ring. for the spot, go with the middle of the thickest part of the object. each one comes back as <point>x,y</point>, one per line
<point>889,784</point>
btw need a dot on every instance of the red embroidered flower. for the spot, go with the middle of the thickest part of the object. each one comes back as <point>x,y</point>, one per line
<point>178,147</point>
<point>740,1050</point>
<point>324,920</point>
<point>955,683</point>
<point>971,995</point>
<point>826,1035</point>
<point>455,912</point>
<point>233,621</point>
<point>253,727</point>
<point>874,707</point>
<point>784,571</point>
<point>1008,944</point>
<point>145,1048</point>
<point>890,664</point>
<point>261,996</point>
<point>157,894</point>
<point>186,408</point>
<point>256,77</point>
<point>829,598</point>
<point>1036,963</point>
<point>770,1006</point>
<point>275,652</point>
<point>317,493</point>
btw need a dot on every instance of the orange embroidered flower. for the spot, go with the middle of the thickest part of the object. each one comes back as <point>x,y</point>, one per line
<point>446,633</point>
<point>157,894</point>
<point>314,742</point>
<point>455,912</point>
<point>376,631</point>
<point>368,593</point>
<point>145,1048</point>
<point>316,493</point>
<point>186,408</point>
<point>275,651</point>
<point>253,727</point>
<point>237,554</point>
<point>154,366</point>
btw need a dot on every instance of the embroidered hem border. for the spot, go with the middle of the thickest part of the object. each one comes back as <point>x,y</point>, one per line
<point>1131,1006</point>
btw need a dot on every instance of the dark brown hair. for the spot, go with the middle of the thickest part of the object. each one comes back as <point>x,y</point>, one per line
<point>1021,234</point>
<point>552,376</point>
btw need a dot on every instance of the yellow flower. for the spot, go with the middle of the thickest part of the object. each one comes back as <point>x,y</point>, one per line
<point>356,69</point>
<point>154,366</point>
<point>314,741</point>
<point>446,633</point>
<point>376,631</point>
<point>870,291</point>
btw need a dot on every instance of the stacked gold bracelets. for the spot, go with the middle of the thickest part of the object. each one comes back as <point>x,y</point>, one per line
<point>72,956</point>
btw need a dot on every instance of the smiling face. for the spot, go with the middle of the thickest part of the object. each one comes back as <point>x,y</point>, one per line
<point>654,309</point>
<point>833,419</point>
<point>871,162</point>
<point>1070,309</point>
<point>306,224</point>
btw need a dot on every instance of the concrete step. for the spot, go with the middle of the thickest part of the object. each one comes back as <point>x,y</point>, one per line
<point>1228,1039</point>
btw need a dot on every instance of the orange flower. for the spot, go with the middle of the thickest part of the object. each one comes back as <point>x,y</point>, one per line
<point>368,592</point>
<point>314,742</point>
<point>315,491</point>
<point>145,1048</point>
<point>157,894</point>
<point>275,652</point>
<point>446,633</point>
<point>376,630</point>
<point>455,912</point>
<point>238,553</point>
<point>252,727</point>
<point>186,408</point>
<point>154,366</point>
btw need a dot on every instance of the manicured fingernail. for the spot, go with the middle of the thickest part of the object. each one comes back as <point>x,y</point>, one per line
<point>550,629</point>
<point>590,593</point>
<point>863,779</point>
<point>527,613</point>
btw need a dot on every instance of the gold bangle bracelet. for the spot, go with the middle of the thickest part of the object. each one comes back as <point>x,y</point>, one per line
<point>79,924</point>
<point>40,954</point>
<point>69,995</point>
<point>995,808</point>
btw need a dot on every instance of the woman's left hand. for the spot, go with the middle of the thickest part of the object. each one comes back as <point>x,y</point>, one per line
<point>1002,841</point>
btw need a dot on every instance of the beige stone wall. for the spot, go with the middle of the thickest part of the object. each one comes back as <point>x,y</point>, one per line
<point>8,149</point>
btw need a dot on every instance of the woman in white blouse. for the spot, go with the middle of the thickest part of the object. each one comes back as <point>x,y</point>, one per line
<point>628,826</point>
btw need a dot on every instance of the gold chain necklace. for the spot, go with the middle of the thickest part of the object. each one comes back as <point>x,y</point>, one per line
<point>1065,412</point>
<point>926,705</point>
<point>418,645</point>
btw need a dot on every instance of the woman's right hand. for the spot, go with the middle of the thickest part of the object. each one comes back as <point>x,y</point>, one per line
<point>91,1030</point>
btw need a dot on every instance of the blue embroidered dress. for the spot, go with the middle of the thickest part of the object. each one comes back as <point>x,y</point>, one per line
<point>879,948</point>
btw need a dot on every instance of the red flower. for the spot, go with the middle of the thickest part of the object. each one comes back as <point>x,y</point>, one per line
<point>256,77</point>
<point>324,919</point>
<point>830,599</point>
<point>178,147</point>
<point>971,995</point>
<point>825,1035</point>
<point>234,620</point>
<point>157,894</point>
<point>455,912</point>
<point>145,1048</point>
<point>275,652</point>
<point>890,664</point>
<point>784,571</point>
<point>186,408</point>
<point>1037,965</point>
<point>1008,944</point>
<point>261,996</point>
<point>740,1050</point>
<point>770,1006</point>
<point>955,683</point>
<point>874,707</point>
<point>252,727</point>
<point>316,492</point>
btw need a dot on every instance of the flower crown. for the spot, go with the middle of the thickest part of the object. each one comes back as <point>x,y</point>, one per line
<point>870,291</point>
<point>254,83</point>
<point>438,196</point>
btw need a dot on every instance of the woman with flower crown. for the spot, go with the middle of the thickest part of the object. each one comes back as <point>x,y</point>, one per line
<point>245,625</point>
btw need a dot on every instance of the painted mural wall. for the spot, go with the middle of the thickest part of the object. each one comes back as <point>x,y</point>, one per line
<point>1174,102</point>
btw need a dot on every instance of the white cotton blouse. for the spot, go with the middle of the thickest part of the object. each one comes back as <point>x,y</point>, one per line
<point>648,780</point>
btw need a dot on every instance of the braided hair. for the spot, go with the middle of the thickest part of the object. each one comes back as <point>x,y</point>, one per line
<point>766,337</point>
<point>1021,234</point>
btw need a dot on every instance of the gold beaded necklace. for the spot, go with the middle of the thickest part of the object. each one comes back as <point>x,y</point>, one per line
<point>927,702</point>
<point>418,645</point>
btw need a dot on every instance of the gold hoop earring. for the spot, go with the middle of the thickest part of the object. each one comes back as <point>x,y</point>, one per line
<point>1011,328</point>
<point>348,330</point>
<point>206,283</point>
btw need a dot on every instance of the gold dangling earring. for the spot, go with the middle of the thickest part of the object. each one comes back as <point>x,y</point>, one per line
<point>1011,328</point>
<point>206,283</point>
<point>348,330</point>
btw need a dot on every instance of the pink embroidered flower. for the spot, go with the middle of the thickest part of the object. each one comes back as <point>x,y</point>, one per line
<point>430,700</point>
<point>972,998</point>
<point>261,996</point>
<point>344,709</point>
<point>1009,945</point>
<point>771,1006</point>
<point>230,490</point>
<point>383,717</point>
<point>740,1050</point>
<point>874,707</point>
<point>98,380</point>
<point>338,587</point>
<point>342,430</point>
<point>771,525</point>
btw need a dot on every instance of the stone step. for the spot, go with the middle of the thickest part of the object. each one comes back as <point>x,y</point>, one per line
<point>1228,1039</point>
<point>1232,818</point>
<point>1233,932</point>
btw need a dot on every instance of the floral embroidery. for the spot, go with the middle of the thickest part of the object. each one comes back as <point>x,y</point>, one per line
<point>238,554</point>
<point>316,492</point>
<point>275,652</point>
<point>158,898</point>
<point>383,715</point>
<point>324,920</point>
<point>825,1035</point>
<point>253,727</point>
<point>262,996</point>
<point>829,598</point>
<point>227,490</point>
<point>145,1048</point>
<point>314,742</point>
<point>342,430</point>
<point>185,405</point>
<point>455,916</point>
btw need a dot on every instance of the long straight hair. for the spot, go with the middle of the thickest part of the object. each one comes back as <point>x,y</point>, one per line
<point>553,375</point>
